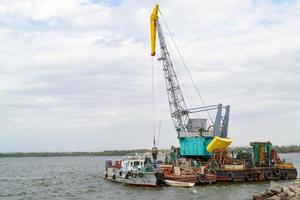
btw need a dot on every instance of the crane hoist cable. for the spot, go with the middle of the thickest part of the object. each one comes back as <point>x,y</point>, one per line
<point>159,126</point>
<point>153,101</point>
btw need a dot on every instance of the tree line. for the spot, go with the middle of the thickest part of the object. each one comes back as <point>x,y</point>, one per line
<point>280,149</point>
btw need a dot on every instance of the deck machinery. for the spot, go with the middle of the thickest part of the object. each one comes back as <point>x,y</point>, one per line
<point>195,138</point>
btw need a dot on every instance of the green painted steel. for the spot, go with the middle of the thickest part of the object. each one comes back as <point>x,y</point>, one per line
<point>190,147</point>
<point>266,148</point>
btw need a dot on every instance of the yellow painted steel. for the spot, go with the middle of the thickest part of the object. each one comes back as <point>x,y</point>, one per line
<point>233,167</point>
<point>218,143</point>
<point>153,18</point>
<point>285,166</point>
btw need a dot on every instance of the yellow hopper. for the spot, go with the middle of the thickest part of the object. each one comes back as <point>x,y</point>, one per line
<point>218,143</point>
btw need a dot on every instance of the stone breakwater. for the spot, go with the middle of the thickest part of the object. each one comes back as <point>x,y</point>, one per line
<point>278,192</point>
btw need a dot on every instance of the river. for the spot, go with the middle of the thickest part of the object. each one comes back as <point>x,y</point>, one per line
<point>81,178</point>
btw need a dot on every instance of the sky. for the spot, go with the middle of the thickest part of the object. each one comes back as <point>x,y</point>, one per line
<point>75,75</point>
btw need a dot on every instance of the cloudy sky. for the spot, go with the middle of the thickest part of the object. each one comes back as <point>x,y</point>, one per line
<point>75,75</point>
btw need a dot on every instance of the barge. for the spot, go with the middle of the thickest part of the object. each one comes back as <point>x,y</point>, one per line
<point>263,163</point>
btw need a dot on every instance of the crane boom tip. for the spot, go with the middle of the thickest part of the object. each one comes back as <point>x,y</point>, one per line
<point>153,18</point>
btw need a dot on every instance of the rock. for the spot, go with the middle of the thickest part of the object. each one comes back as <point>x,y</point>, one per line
<point>277,192</point>
<point>283,195</point>
<point>290,195</point>
<point>259,196</point>
<point>269,192</point>
<point>293,188</point>
<point>287,193</point>
<point>284,189</point>
<point>274,197</point>
<point>275,188</point>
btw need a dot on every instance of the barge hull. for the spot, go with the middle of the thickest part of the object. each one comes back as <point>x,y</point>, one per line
<point>255,174</point>
<point>131,183</point>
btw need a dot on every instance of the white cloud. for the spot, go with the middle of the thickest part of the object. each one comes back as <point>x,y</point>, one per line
<point>76,75</point>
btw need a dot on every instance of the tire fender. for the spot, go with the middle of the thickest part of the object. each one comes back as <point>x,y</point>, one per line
<point>277,172</point>
<point>284,175</point>
<point>202,178</point>
<point>249,176</point>
<point>268,175</point>
<point>133,175</point>
<point>230,176</point>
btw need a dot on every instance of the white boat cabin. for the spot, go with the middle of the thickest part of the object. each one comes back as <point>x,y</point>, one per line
<point>133,165</point>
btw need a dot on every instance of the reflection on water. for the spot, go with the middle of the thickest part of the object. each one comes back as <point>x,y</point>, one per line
<point>81,178</point>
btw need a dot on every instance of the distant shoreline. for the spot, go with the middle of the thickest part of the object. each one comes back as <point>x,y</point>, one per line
<point>280,149</point>
<point>74,154</point>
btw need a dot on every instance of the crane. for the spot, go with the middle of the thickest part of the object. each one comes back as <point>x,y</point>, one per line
<point>177,104</point>
<point>194,137</point>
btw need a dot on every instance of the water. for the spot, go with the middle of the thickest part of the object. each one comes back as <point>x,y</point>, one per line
<point>81,178</point>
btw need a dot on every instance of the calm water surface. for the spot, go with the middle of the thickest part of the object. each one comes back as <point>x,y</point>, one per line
<point>81,178</point>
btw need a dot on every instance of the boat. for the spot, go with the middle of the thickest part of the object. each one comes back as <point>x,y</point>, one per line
<point>133,170</point>
<point>184,173</point>
<point>179,183</point>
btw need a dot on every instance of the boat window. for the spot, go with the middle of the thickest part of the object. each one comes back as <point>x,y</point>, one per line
<point>136,163</point>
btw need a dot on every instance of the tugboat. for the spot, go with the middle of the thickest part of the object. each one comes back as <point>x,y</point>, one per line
<point>134,169</point>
